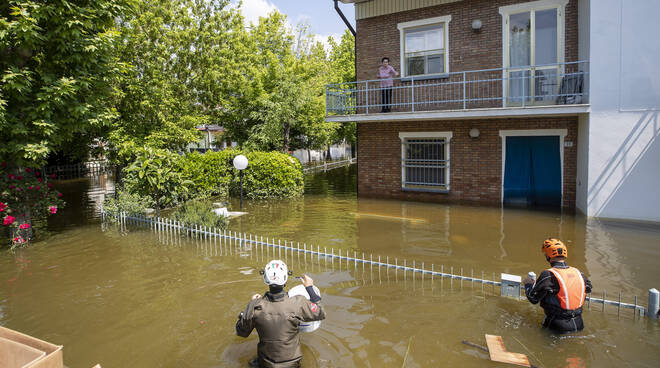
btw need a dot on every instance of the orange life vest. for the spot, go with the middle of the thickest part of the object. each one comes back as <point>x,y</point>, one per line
<point>571,287</point>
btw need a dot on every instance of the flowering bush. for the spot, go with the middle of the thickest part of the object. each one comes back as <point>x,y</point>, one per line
<point>25,195</point>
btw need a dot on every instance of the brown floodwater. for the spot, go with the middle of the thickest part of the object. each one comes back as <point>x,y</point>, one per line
<point>136,299</point>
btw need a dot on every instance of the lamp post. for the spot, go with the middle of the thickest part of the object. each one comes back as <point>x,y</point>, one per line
<point>240,163</point>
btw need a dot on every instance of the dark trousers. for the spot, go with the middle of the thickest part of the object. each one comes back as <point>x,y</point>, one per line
<point>564,324</point>
<point>386,99</point>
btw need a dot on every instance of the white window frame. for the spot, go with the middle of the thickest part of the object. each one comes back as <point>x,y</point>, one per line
<point>444,20</point>
<point>561,133</point>
<point>533,6</point>
<point>447,145</point>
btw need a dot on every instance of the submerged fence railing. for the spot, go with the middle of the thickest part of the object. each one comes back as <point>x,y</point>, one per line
<point>249,242</point>
<point>79,170</point>
<point>329,165</point>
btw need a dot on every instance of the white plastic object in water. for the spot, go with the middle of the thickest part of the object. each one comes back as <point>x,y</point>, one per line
<point>221,211</point>
<point>300,290</point>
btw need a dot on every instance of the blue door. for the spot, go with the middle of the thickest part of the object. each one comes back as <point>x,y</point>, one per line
<point>532,171</point>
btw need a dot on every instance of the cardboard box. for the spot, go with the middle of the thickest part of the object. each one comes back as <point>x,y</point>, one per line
<point>24,347</point>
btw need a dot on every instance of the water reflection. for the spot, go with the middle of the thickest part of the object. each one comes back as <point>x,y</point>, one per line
<point>134,298</point>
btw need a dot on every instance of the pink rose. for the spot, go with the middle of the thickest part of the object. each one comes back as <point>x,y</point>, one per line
<point>3,205</point>
<point>11,176</point>
<point>59,195</point>
<point>38,187</point>
<point>52,176</point>
<point>2,209</point>
<point>12,186</point>
<point>24,226</point>
<point>50,185</point>
<point>28,170</point>
<point>40,179</point>
<point>52,209</point>
<point>19,178</point>
<point>30,187</point>
<point>8,220</point>
<point>37,174</point>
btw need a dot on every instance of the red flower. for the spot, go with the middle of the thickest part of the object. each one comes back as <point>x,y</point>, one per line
<point>40,179</point>
<point>37,174</point>
<point>59,195</point>
<point>30,187</point>
<point>52,209</point>
<point>50,185</point>
<point>11,176</point>
<point>38,187</point>
<point>8,220</point>
<point>24,226</point>
<point>28,170</point>
<point>52,176</point>
<point>19,178</point>
<point>12,186</point>
<point>2,209</point>
<point>3,205</point>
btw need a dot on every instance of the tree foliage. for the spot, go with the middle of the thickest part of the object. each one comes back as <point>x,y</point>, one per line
<point>183,56</point>
<point>58,73</point>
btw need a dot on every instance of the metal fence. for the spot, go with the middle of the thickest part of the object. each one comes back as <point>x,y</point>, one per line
<point>232,242</point>
<point>329,165</point>
<point>79,170</point>
<point>524,86</point>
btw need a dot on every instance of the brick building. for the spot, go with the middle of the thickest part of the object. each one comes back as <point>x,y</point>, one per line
<point>493,103</point>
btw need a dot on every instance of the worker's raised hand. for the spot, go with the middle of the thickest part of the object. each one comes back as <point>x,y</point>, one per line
<point>256,296</point>
<point>306,280</point>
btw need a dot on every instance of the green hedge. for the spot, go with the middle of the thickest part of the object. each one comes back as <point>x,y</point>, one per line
<point>210,172</point>
<point>268,175</point>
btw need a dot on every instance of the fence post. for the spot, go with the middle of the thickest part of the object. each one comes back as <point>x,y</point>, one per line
<point>412,93</point>
<point>464,104</point>
<point>654,303</point>
<point>366,91</point>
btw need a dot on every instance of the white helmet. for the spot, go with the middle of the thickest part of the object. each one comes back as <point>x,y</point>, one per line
<point>276,273</point>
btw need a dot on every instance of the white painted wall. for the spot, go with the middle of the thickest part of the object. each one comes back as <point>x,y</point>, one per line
<point>624,126</point>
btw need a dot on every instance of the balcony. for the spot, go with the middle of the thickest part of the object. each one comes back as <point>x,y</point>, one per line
<point>553,89</point>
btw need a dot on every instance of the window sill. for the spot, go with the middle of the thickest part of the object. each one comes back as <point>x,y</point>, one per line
<point>425,190</point>
<point>425,77</point>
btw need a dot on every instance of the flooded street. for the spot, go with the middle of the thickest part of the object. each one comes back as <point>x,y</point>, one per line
<point>137,299</point>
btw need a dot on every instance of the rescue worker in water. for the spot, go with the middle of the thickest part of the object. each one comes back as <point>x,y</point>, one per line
<point>561,289</point>
<point>276,318</point>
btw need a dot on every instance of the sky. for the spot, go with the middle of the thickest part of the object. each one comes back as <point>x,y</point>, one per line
<point>321,14</point>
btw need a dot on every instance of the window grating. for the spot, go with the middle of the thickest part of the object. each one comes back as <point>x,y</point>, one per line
<point>425,163</point>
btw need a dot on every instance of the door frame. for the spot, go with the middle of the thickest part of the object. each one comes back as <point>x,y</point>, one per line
<point>561,133</point>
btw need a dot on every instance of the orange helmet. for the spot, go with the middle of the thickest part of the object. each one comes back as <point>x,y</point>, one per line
<point>554,248</point>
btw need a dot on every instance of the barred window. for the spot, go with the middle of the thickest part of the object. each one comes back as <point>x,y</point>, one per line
<point>425,161</point>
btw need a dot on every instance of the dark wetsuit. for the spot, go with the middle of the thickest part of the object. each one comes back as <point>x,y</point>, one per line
<point>545,290</point>
<point>276,318</point>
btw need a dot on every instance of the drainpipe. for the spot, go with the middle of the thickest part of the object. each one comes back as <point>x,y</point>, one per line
<point>350,28</point>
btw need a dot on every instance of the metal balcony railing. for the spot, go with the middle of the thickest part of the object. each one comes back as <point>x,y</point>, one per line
<point>523,86</point>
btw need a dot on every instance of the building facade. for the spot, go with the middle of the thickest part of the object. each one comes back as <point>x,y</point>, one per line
<point>494,104</point>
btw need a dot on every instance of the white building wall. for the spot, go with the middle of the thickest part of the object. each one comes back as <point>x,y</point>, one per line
<point>624,126</point>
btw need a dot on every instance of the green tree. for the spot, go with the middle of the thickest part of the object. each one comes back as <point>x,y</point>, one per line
<point>186,58</point>
<point>283,106</point>
<point>58,72</point>
<point>342,70</point>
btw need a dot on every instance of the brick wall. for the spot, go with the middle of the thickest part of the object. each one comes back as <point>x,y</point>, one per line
<point>476,164</point>
<point>378,37</point>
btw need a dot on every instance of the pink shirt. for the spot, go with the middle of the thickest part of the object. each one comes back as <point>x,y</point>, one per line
<point>386,73</point>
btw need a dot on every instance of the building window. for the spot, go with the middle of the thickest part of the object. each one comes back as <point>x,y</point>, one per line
<point>425,46</point>
<point>425,161</point>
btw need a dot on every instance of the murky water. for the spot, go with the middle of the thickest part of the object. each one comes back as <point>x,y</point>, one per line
<point>134,299</point>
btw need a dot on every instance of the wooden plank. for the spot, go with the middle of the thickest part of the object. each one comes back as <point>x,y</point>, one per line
<point>498,352</point>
